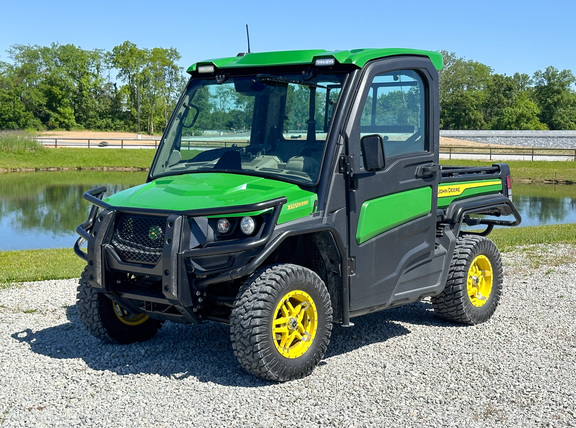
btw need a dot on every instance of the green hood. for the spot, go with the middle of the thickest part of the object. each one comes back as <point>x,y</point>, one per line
<point>214,190</point>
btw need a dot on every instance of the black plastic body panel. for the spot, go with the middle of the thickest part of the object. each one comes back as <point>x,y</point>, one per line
<point>401,264</point>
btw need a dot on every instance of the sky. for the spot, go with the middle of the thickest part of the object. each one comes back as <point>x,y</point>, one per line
<point>508,36</point>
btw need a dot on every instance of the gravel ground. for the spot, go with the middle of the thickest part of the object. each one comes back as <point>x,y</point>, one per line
<point>402,367</point>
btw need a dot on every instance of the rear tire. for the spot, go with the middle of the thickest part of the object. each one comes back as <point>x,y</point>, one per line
<point>281,323</point>
<point>474,283</point>
<point>110,322</point>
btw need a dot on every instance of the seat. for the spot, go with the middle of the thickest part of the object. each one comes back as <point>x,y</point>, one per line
<point>304,164</point>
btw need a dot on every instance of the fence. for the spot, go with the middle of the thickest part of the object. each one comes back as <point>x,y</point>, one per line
<point>121,143</point>
<point>507,153</point>
<point>131,143</point>
<point>449,152</point>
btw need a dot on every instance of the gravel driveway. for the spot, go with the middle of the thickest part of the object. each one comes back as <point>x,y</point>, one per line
<point>402,367</point>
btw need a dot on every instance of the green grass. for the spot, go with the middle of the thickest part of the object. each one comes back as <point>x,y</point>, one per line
<point>72,158</point>
<point>510,238</point>
<point>18,151</point>
<point>544,171</point>
<point>140,159</point>
<point>536,244</point>
<point>19,143</point>
<point>38,265</point>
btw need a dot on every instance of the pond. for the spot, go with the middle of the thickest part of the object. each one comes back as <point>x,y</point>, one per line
<point>42,209</point>
<point>541,204</point>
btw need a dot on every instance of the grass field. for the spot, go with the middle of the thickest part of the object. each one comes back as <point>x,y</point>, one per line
<point>39,265</point>
<point>18,153</point>
<point>140,159</point>
<point>65,159</point>
<point>31,265</point>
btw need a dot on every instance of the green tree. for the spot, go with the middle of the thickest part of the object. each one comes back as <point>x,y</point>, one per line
<point>63,86</point>
<point>509,103</point>
<point>522,114</point>
<point>462,92</point>
<point>13,113</point>
<point>297,108</point>
<point>167,80</point>
<point>152,82</point>
<point>463,110</point>
<point>556,99</point>
<point>26,75</point>
<point>129,60</point>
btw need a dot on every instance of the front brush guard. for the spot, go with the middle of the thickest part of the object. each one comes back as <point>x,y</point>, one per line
<point>97,229</point>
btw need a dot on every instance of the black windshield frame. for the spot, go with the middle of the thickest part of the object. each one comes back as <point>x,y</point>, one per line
<point>292,155</point>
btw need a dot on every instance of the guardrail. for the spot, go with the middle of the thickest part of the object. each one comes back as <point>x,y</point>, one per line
<point>507,153</point>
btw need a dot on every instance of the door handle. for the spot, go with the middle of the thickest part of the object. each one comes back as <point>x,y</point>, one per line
<point>427,170</point>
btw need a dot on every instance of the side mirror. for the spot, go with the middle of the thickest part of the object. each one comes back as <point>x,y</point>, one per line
<point>372,152</point>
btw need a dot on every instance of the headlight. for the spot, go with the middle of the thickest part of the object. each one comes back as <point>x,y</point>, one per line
<point>247,225</point>
<point>223,225</point>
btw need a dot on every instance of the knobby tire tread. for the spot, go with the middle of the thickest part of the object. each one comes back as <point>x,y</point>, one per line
<point>250,329</point>
<point>453,303</point>
<point>87,306</point>
<point>95,312</point>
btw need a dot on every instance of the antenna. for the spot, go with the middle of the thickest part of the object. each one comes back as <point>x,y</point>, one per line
<point>248,37</point>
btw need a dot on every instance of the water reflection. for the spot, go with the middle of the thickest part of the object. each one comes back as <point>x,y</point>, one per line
<point>545,204</point>
<point>42,209</point>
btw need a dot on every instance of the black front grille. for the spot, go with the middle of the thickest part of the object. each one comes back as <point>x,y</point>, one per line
<point>139,239</point>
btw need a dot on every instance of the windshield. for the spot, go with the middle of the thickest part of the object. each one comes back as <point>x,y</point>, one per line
<point>269,125</point>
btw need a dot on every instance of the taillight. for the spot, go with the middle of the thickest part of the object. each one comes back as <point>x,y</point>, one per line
<point>509,186</point>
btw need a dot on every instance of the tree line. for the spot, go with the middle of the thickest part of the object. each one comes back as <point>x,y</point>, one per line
<point>135,89</point>
<point>472,96</point>
<point>66,87</point>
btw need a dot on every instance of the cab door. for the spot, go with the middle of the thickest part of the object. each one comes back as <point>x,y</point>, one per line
<point>392,161</point>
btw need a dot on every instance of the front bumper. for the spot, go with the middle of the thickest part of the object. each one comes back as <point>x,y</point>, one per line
<point>177,255</point>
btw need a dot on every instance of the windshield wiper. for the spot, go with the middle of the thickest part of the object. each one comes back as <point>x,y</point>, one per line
<point>268,78</point>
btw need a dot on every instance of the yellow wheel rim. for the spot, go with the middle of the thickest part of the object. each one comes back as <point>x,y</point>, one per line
<point>480,281</point>
<point>294,324</point>
<point>128,318</point>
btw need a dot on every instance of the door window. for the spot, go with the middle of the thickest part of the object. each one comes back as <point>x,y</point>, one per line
<point>395,109</point>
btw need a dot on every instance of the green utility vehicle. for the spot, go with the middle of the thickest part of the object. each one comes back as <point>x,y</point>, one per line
<point>290,191</point>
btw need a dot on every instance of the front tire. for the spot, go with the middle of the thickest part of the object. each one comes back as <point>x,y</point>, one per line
<point>110,322</point>
<point>281,323</point>
<point>474,283</point>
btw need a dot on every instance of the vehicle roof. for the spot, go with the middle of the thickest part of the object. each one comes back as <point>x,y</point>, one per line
<point>356,57</point>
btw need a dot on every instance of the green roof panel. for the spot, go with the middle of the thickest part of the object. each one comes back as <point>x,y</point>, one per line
<point>357,57</point>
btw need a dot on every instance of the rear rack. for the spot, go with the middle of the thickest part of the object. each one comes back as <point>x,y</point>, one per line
<point>451,173</point>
